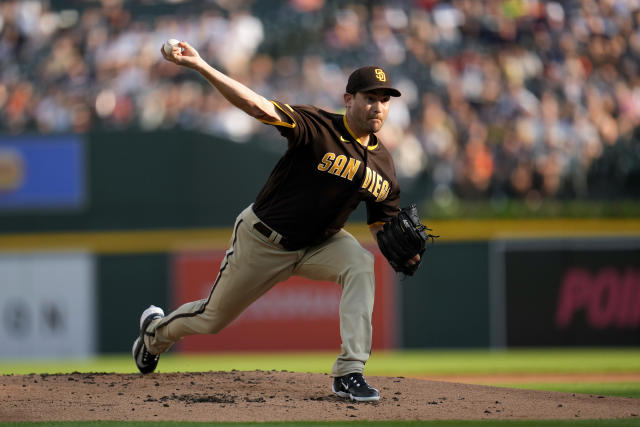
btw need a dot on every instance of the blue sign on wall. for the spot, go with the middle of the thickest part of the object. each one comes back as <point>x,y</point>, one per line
<point>42,172</point>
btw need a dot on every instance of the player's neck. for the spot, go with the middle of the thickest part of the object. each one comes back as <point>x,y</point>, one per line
<point>362,137</point>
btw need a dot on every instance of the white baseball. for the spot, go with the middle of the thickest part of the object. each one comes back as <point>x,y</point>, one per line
<point>169,44</point>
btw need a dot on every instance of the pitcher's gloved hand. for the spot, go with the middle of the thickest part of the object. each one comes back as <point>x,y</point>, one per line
<point>402,238</point>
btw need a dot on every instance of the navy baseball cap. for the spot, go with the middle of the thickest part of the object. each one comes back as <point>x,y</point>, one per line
<point>370,78</point>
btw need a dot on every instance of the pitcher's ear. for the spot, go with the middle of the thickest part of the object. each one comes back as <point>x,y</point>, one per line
<point>348,97</point>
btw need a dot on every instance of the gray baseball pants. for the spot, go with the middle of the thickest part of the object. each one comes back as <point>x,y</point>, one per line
<point>255,263</point>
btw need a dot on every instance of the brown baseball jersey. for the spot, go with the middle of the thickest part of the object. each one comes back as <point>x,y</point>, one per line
<point>323,176</point>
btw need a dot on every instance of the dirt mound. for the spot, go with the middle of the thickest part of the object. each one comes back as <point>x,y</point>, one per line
<point>279,396</point>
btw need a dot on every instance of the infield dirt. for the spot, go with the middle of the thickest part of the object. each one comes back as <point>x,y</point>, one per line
<point>280,396</point>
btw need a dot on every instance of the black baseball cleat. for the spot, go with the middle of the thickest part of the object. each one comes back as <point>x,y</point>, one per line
<point>354,387</point>
<point>145,361</point>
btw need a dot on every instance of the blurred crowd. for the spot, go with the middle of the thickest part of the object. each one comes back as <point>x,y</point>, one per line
<point>501,98</point>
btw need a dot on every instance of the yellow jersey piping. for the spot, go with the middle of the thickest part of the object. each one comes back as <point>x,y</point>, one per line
<point>346,125</point>
<point>280,123</point>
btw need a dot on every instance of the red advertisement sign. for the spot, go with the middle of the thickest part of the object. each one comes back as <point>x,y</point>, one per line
<point>574,292</point>
<point>298,314</point>
<point>606,298</point>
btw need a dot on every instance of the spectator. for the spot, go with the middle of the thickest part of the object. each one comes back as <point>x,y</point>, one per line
<point>526,99</point>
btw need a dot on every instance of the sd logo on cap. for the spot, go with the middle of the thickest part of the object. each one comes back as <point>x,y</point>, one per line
<point>370,78</point>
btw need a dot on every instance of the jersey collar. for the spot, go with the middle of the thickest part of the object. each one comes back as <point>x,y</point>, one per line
<point>372,136</point>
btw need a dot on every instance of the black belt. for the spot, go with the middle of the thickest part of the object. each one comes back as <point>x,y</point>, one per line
<point>266,232</point>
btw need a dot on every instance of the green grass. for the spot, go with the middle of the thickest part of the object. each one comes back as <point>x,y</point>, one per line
<point>620,389</point>
<point>410,363</point>
<point>543,208</point>
<point>389,363</point>
<point>454,423</point>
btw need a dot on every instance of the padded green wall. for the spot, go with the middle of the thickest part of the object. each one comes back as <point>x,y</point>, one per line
<point>446,304</point>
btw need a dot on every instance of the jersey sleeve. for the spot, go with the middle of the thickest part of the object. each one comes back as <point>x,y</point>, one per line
<point>381,212</point>
<point>297,127</point>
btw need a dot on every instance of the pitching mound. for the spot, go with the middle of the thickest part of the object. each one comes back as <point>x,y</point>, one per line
<point>279,396</point>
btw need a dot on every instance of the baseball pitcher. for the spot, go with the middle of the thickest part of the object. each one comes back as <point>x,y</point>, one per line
<point>295,225</point>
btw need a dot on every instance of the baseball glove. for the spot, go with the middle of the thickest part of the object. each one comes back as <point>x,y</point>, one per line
<point>402,238</point>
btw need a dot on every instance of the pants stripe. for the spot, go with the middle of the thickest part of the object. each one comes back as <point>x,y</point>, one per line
<point>163,323</point>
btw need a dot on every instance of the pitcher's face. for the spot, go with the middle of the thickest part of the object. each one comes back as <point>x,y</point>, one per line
<point>367,111</point>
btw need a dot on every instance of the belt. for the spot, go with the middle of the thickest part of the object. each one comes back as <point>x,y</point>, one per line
<point>267,232</point>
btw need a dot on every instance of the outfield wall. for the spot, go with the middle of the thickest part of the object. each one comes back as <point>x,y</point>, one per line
<point>469,292</point>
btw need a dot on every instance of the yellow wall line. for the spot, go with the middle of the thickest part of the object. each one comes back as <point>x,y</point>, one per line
<point>167,240</point>
<point>121,242</point>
